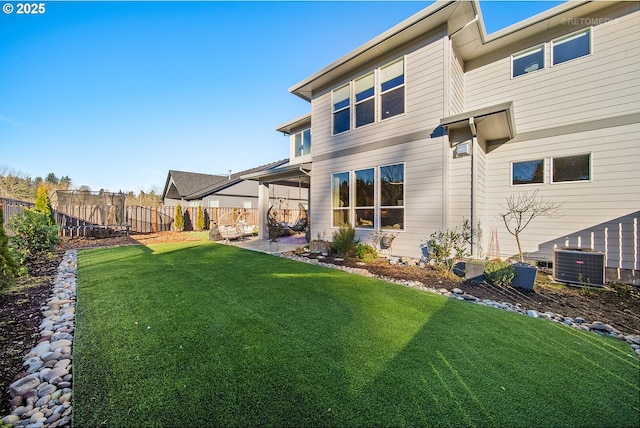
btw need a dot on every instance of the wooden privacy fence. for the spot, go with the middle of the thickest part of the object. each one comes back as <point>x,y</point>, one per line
<point>79,219</point>
<point>11,207</point>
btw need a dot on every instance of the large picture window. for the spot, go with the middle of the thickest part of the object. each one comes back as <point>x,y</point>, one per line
<point>364,200</point>
<point>392,197</point>
<point>571,168</point>
<point>364,100</point>
<point>341,109</point>
<point>571,47</point>
<point>528,61</point>
<point>340,199</point>
<point>392,89</point>
<point>528,172</point>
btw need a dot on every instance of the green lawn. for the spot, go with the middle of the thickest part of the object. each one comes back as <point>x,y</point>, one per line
<point>200,334</point>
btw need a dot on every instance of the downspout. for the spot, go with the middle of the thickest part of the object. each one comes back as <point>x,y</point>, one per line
<point>474,147</point>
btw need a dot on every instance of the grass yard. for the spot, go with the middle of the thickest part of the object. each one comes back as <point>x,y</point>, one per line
<point>200,334</point>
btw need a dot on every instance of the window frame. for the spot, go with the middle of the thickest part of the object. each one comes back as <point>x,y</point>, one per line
<point>588,31</point>
<point>401,87</point>
<point>335,111</point>
<point>357,207</point>
<point>553,166</point>
<point>544,173</point>
<point>345,208</point>
<point>300,146</point>
<point>524,53</point>
<point>403,207</point>
<point>370,98</point>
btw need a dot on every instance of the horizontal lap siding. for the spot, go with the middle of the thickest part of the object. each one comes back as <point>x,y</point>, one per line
<point>424,91</point>
<point>586,88</point>
<point>612,197</point>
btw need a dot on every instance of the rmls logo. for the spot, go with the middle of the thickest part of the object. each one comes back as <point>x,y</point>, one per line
<point>587,21</point>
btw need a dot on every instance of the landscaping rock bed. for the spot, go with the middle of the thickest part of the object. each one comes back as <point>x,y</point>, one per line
<point>42,397</point>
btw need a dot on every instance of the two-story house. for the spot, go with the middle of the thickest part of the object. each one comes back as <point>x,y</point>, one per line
<point>434,122</point>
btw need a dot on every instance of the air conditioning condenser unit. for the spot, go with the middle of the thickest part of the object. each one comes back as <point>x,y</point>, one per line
<point>579,266</point>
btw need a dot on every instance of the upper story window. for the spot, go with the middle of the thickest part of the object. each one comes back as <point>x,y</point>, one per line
<point>302,143</point>
<point>528,172</point>
<point>392,89</point>
<point>571,168</point>
<point>365,100</point>
<point>341,109</point>
<point>382,89</point>
<point>527,62</point>
<point>570,47</point>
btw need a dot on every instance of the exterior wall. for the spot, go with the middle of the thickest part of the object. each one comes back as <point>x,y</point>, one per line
<point>603,84</point>
<point>587,105</point>
<point>402,139</point>
<point>424,77</point>
<point>611,198</point>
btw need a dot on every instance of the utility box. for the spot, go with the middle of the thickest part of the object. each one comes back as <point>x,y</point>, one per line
<point>579,266</point>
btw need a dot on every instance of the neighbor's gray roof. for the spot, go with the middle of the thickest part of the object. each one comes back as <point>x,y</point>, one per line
<point>189,182</point>
<point>227,181</point>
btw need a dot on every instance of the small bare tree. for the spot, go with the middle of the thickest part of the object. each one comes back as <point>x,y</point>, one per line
<point>521,209</point>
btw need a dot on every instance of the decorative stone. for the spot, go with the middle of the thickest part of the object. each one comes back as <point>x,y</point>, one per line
<point>60,344</point>
<point>22,386</point>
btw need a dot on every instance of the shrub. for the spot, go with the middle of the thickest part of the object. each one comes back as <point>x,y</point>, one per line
<point>498,272</point>
<point>34,236</point>
<point>343,242</point>
<point>200,219</point>
<point>366,252</point>
<point>178,219</point>
<point>43,204</point>
<point>446,247</point>
<point>8,266</point>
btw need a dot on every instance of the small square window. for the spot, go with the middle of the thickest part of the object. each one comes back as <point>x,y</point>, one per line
<point>528,61</point>
<point>572,168</point>
<point>571,47</point>
<point>528,172</point>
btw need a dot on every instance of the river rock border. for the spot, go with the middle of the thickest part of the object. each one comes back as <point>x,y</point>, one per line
<point>458,294</point>
<point>42,398</point>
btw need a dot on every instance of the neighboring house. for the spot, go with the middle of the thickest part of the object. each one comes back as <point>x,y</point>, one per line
<point>227,191</point>
<point>434,122</point>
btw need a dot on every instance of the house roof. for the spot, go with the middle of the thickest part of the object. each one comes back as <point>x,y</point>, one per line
<point>231,180</point>
<point>182,183</point>
<point>465,26</point>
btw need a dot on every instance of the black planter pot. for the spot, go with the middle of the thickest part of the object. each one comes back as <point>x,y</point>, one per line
<point>525,276</point>
<point>470,270</point>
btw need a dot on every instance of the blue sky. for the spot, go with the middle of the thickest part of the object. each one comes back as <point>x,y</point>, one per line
<point>115,94</point>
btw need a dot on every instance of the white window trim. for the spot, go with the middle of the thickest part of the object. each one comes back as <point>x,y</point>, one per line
<point>350,207</point>
<point>378,212</point>
<point>522,53</point>
<point>374,97</point>
<point>545,178</point>
<point>381,93</point>
<point>292,146</point>
<point>333,112</point>
<point>568,36</point>
<point>551,161</point>
<point>375,200</point>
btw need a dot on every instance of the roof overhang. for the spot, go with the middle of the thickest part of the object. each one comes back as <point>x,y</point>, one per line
<point>284,173</point>
<point>410,29</point>
<point>300,122</point>
<point>465,26</point>
<point>495,124</point>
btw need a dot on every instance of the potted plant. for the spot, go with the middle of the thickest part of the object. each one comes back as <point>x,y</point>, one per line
<point>518,213</point>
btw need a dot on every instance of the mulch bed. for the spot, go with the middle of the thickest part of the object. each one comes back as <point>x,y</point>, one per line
<point>20,313</point>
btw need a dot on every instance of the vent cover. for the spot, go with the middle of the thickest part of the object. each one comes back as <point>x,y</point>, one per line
<point>578,266</point>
